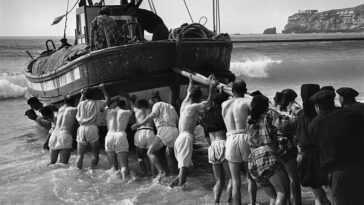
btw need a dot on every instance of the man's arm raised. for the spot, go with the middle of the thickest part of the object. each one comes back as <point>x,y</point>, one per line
<point>206,103</point>
<point>104,92</point>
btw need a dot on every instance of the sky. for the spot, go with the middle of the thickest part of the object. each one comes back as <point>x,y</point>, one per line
<point>34,17</point>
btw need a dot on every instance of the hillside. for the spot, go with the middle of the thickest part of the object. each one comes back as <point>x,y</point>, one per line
<point>337,20</point>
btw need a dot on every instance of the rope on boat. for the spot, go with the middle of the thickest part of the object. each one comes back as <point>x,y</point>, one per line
<point>65,22</point>
<point>152,7</point>
<point>188,10</point>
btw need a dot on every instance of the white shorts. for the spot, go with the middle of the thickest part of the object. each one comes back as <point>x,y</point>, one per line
<point>87,134</point>
<point>216,152</point>
<point>116,142</point>
<point>183,148</point>
<point>144,137</point>
<point>168,135</point>
<point>237,147</point>
<point>60,139</point>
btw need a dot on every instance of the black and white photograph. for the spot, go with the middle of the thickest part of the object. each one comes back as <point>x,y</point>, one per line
<point>182,102</point>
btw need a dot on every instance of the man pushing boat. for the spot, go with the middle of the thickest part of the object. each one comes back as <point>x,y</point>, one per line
<point>165,118</point>
<point>190,109</point>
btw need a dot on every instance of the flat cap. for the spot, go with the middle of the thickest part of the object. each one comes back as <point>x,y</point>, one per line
<point>328,87</point>
<point>322,96</point>
<point>346,92</point>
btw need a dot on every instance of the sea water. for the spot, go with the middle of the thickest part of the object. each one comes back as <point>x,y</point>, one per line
<point>268,67</point>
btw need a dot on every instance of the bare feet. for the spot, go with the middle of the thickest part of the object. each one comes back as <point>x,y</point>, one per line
<point>174,182</point>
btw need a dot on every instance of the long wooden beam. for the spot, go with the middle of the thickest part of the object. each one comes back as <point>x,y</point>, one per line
<point>202,79</point>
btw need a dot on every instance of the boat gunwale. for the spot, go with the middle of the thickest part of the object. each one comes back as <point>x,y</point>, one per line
<point>67,67</point>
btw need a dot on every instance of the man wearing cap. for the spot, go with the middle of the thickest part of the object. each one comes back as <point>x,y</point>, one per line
<point>347,99</point>
<point>338,135</point>
<point>104,30</point>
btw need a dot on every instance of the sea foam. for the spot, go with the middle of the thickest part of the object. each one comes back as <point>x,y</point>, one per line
<point>253,67</point>
<point>12,86</point>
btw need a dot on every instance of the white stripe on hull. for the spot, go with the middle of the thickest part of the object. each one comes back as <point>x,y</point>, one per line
<point>58,82</point>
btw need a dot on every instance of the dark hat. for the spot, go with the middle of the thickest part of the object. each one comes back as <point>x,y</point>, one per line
<point>289,94</point>
<point>328,87</point>
<point>346,92</point>
<point>105,10</point>
<point>307,90</point>
<point>322,96</point>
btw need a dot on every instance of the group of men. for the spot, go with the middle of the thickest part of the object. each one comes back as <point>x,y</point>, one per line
<point>279,146</point>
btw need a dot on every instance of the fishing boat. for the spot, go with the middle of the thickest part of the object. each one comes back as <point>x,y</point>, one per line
<point>139,67</point>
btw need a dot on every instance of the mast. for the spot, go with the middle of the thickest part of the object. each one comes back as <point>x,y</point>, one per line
<point>216,16</point>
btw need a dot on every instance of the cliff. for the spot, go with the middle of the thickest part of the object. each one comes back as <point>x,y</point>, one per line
<point>338,20</point>
<point>270,31</point>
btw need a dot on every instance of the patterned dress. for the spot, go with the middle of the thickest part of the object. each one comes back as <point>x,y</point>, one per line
<point>284,121</point>
<point>263,161</point>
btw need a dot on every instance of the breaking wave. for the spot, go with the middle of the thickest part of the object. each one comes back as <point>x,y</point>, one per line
<point>12,85</point>
<point>253,67</point>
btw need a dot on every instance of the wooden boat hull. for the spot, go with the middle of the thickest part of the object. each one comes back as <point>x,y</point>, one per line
<point>132,68</point>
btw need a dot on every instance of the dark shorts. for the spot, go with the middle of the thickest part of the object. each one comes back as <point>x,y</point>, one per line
<point>263,163</point>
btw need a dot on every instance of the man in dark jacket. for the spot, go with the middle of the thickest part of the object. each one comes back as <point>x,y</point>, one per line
<point>338,132</point>
<point>347,99</point>
<point>149,21</point>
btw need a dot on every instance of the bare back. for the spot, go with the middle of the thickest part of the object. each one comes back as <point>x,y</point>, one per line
<point>235,112</point>
<point>141,114</point>
<point>66,118</point>
<point>122,119</point>
<point>117,119</point>
<point>189,115</point>
<point>111,119</point>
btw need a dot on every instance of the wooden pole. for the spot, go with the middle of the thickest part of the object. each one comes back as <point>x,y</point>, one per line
<point>202,79</point>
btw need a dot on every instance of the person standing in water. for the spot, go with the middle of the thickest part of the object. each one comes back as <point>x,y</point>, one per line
<point>144,135</point>
<point>116,142</point>
<point>88,133</point>
<point>61,140</point>
<point>190,109</point>
<point>235,112</point>
<point>215,128</point>
<point>165,118</point>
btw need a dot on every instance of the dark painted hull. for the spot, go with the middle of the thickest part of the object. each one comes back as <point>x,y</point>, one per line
<point>133,67</point>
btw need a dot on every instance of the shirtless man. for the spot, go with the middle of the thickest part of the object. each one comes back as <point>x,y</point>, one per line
<point>190,108</point>
<point>235,112</point>
<point>60,142</point>
<point>88,133</point>
<point>144,135</point>
<point>165,118</point>
<point>116,142</point>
